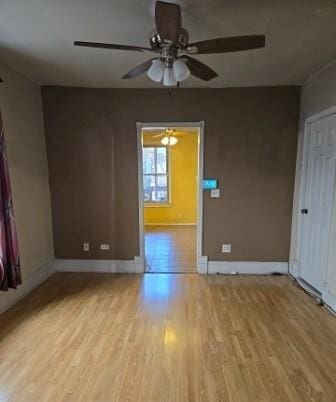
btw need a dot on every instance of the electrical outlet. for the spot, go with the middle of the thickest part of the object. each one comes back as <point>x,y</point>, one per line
<point>104,246</point>
<point>86,246</point>
<point>226,248</point>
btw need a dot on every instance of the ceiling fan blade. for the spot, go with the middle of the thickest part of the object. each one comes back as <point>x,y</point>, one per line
<point>99,45</point>
<point>168,20</point>
<point>159,135</point>
<point>226,45</point>
<point>199,69</point>
<point>138,70</point>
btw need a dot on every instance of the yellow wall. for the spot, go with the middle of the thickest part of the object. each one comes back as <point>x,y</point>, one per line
<point>183,182</point>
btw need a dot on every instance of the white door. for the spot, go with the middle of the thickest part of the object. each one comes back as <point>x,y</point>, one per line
<point>317,206</point>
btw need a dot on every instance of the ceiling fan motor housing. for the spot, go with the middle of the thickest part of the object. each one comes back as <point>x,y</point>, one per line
<point>157,43</point>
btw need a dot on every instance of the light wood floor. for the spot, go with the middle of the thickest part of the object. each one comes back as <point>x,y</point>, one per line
<point>171,248</point>
<point>165,337</point>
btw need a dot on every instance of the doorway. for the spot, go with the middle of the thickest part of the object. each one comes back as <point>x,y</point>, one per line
<point>317,202</point>
<point>170,163</point>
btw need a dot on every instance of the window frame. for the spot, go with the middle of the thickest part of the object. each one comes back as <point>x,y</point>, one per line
<point>155,174</point>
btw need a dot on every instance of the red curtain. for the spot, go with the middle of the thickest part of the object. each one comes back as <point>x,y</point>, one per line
<point>10,272</point>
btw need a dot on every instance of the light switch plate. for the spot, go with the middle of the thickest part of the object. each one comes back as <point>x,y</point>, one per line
<point>215,193</point>
<point>226,248</point>
<point>86,246</point>
<point>104,246</point>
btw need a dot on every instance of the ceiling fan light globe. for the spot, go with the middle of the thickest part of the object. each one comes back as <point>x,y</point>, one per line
<point>156,70</point>
<point>169,79</point>
<point>172,141</point>
<point>181,70</point>
<point>167,140</point>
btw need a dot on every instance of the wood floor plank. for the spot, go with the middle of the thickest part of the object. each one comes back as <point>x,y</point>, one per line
<point>166,337</point>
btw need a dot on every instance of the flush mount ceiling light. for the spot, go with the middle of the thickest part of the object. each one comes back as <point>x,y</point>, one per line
<point>170,44</point>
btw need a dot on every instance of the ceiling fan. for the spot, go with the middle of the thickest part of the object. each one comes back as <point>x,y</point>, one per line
<point>170,43</point>
<point>169,137</point>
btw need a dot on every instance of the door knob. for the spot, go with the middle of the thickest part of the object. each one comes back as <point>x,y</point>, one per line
<point>304,211</point>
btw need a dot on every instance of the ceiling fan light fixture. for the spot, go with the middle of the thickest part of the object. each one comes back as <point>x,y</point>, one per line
<point>156,70</point>
<point>169,79</point>
<point>168,140</point>
<point>181,70</point>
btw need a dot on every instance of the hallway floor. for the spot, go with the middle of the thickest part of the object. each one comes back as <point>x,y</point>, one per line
<point>171,249</point>
<point>84,337</point>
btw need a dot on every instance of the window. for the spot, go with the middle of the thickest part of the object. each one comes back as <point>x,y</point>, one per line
<point>155,174</point>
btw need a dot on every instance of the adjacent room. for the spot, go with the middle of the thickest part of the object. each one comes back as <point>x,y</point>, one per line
<point>170,195</point>
<point>168,201</point>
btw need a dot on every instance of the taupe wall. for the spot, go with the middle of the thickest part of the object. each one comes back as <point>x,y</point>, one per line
<point>21,108</point>
<point>250,146</point>
<point>317,95</point>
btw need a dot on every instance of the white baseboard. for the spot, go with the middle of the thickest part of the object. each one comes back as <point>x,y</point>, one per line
<point>247,267</point>
<point>202,265</point>
<point>329,298</point>
<point>171,224</point>
<point>294,268</point>
<point>8,299</point>
<point>135,266</point>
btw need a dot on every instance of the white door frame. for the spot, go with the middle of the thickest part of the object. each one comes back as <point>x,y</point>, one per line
<point>302,190</point>
<point>202,261</point>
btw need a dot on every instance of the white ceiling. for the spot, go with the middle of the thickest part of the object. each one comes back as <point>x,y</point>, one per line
<point>36,39</point>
